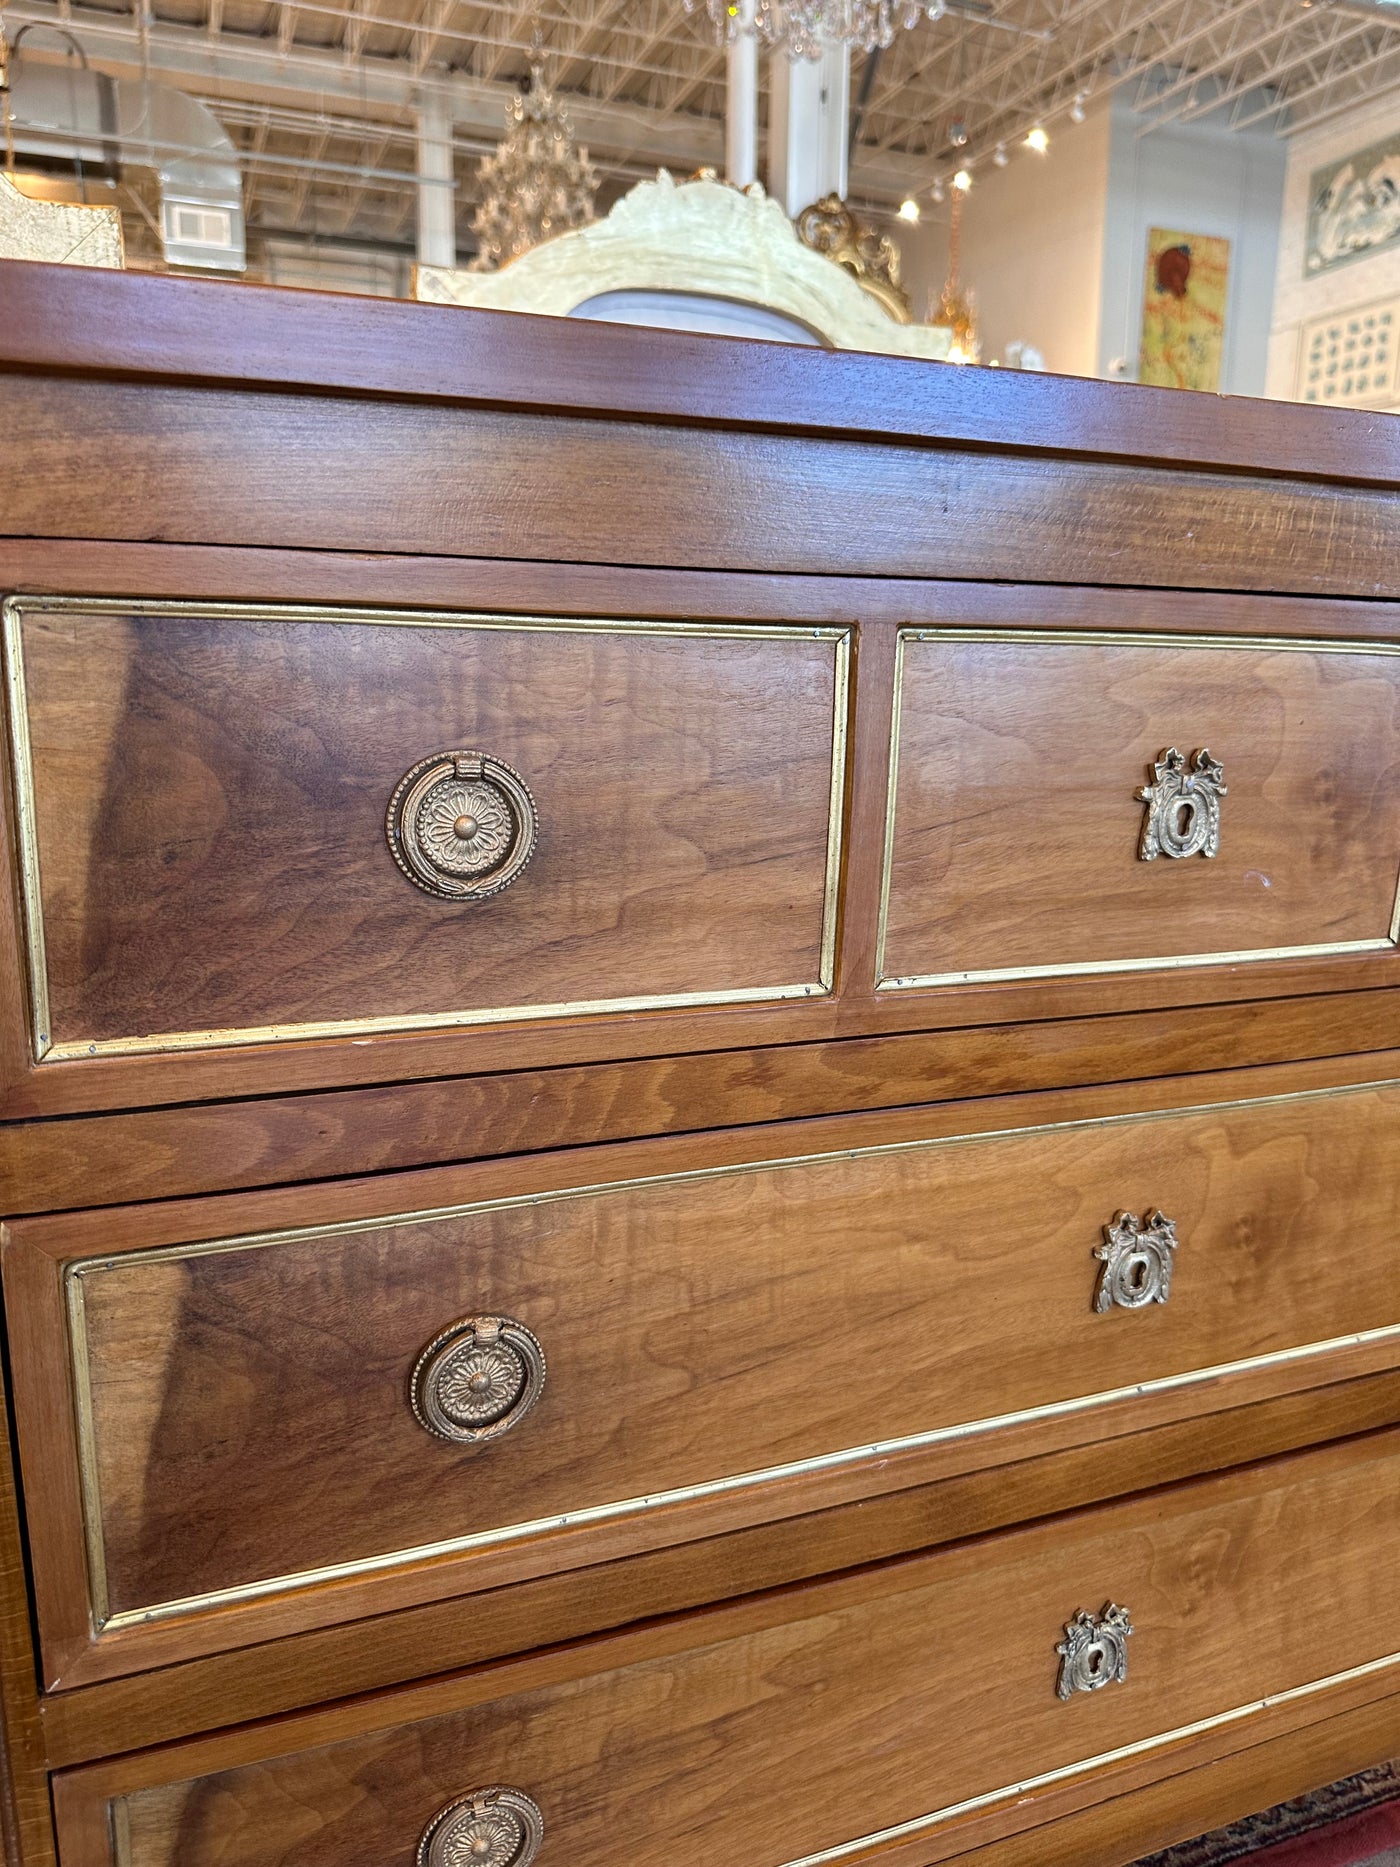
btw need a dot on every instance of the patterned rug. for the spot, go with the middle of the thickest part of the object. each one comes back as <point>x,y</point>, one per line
<point>1354,1823</point>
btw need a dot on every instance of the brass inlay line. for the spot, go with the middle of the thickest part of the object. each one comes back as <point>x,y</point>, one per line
<point>1092,638</point>
<point>1030,1785</point>
<point>48,1049</point>
<point>76,1271</point>
<point>723,1487</point>
<point>1144,1747</point>
<point>26,831</point>
<point>1079,969</point>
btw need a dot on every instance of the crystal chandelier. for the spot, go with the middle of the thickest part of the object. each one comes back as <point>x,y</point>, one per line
<point>538,183</point>
<point>803,27</point>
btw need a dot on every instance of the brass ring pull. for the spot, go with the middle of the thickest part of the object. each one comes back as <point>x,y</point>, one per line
<point>477,1379</point>
<point>1183,806</point>
<point>1094,1651</point>
<point>1137,1258</point>
<point>487,1828</point>
<point>461,825</point>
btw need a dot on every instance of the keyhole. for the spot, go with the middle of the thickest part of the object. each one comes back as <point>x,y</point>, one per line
<point>1137,1277</point>
<point>1185,817</point>
<point>1096,1660</point>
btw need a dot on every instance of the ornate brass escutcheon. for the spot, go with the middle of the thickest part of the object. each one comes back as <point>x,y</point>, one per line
<point>1137,1258</point>
<point>477,1379</point>
<point>494,1827</point>
<point>1094,1651</point>
<point>461,825</point>
<point>1183,806</point>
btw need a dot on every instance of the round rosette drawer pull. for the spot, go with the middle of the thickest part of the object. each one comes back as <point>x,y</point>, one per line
<point>1183,806</point>
<point>462,825</point>
<point>1137,1258</point>
<point>487,1828</point>
<point>477,1379</point>
<point>1094,1651</point>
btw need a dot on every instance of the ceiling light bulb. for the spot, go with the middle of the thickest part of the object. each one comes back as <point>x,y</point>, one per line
<point>909,209</point>
<point>1038,140</point>
<point>1000,156</point>
<point>937,194</point>
<point>957,134</point>
<point>1076,109</point>
<point>962,181</point>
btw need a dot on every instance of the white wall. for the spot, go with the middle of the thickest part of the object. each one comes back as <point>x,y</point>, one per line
<point>1344,288</point>
<point>1032,248</point>
<point>1055,247</point>
<point>1204,178</point>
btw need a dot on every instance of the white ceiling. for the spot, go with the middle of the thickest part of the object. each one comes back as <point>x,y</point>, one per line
<point>319,95</point>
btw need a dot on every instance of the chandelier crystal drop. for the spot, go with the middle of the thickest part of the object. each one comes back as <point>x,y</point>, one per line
<point>803,27</point>
<point>537,184</point>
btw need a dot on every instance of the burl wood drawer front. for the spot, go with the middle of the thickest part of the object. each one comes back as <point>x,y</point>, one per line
<point>899,1705</point>
<point>288,1426</point>
<point>1087,803</point>
<point>246,824</point>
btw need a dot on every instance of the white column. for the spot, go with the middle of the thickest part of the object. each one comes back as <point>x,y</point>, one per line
<point>808,122</point>
<point>741,103</point>
<point>437,188</point>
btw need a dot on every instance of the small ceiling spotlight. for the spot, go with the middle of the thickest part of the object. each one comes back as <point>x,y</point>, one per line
<point>957,134</point>
<point>999,156</point>
<point>962,181</point>
<point>1076,109</point>
<point>1038,140</point>
<point>909,208</point>
<point>938,194</point>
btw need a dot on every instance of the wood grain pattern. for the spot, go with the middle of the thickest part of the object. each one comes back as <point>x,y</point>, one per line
<point>94,1082</point>
<point>26,1827</point>
<point>757,1669</point>
<point>132,324</point>
<point>1017,818</point>
<point>1196,1801</point>
<point>210,796</point>
<point>221,1147</point>
<point>334,1663</point>
<point>752,1732</point>
<point>235,573</point>
<point>248,1410</point>
<point>117,460</point>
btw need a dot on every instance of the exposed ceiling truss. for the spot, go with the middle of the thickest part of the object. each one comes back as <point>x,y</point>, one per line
<point>321,96</point>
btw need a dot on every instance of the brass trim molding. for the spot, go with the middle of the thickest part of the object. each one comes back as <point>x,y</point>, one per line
<point>76,1271</point>
<point>48,1048</point>
<point>1027,1786</point>
<point>1104,1759</point>
<point>1093,968</point>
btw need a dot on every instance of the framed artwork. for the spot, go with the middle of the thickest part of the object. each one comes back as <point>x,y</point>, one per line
<point>1183,309</point>
<point>1354,207</point>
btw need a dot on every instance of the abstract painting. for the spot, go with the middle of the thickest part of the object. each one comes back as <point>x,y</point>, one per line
<point>1183,309</point>
<point>1354,207</point>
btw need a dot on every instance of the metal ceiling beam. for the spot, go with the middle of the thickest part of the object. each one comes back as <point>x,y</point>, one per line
<point>254,68</point>
<point>1328,71</point>
<point>1270,77</point>
<point>1244,33</point>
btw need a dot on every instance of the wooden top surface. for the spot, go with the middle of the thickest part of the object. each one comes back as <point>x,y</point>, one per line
<point>141,325</point>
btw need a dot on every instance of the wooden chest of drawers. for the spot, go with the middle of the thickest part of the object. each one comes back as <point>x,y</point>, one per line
<point>700,1065</point>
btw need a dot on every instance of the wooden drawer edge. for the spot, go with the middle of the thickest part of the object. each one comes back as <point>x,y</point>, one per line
<point>943,1834</point>
<point>141,1711</point>
<point>322,1598</point>
<point>83,1796</point>
<point>1192,1802</point>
